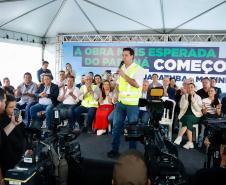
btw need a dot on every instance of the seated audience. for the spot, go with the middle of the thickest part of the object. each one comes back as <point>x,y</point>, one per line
<point>211,105</point>
<point>105,108</point>
<point>47,95</point>
<point>190,113</point>
<point>26,92</point>
<point>13,142</point>
<point>62,80</point>
<point>130,169</point>
<point>89,103</point>
<point>9,89</point>
<point>211,109</point>
<point>69,98</point>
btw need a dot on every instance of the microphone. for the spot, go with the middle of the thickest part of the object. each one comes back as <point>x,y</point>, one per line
<point>120,65</point>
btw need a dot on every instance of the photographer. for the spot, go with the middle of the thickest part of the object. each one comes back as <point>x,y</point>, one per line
<point>12,136</point>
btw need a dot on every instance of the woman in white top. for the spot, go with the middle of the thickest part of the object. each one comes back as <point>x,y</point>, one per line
<point>211,105</point>
<point>190,113</point>
<point>211,109</point>
<point>105,108</point>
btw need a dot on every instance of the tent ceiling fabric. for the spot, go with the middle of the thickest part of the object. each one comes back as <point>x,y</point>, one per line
<point>47,18</point>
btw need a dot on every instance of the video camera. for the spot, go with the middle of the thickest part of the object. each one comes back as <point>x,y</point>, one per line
<point>216,131</point>
<point>160,153</point>
<point>41,163</point>
<point>36,160</point>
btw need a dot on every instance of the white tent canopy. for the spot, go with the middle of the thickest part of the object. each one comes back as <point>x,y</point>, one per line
<point>47,18</point>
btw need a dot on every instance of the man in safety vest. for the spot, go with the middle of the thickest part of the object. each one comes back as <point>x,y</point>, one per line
<point>130,81</point>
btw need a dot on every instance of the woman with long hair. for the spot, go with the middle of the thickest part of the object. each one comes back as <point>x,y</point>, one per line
<point>69,71</point>
<point>211,105</point>
<point>190,113</point>
<point>211,109</point>
<point>105,108</point>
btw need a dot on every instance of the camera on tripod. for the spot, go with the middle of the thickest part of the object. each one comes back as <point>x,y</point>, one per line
<point>160,153</point>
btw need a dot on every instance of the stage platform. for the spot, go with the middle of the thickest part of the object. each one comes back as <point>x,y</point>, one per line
<point>95,161</point>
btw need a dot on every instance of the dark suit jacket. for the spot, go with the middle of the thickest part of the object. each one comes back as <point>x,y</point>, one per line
<point>54,92</point>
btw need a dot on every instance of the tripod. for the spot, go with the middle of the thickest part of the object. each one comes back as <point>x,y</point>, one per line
<point>212,156</point>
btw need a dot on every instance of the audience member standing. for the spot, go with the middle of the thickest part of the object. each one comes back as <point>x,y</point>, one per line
<point>69,71</point>
<point>43,69</point>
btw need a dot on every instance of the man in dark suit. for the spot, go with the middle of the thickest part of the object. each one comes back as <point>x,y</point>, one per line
<point>47,95</point>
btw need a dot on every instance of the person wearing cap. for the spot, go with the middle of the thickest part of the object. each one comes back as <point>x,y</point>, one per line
<point>130,168</point>
<point>47,95</point>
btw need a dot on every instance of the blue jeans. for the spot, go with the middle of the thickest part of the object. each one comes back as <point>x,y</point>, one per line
<point>144,117</point>
<point>48,109</point>
<point>111,117</point>
<point>78,115</point>
<point>122,111</point>
<point>27,116</point>
<point>70,112</point>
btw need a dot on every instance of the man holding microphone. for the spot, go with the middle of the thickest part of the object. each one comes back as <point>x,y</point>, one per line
<point>129,91</point>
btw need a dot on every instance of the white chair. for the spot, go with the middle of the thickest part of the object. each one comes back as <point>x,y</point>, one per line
<point>167,118</point>
<point>196,126</point>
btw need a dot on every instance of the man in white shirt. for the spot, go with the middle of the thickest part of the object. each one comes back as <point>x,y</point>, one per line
<point>70,98</point>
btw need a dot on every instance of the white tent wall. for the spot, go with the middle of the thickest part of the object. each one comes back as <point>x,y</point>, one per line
<point>50,56</point>
<point>16,58</point>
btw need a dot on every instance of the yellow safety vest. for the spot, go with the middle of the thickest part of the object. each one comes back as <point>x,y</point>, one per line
<point>88,100</point>
<point>128,94</point>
